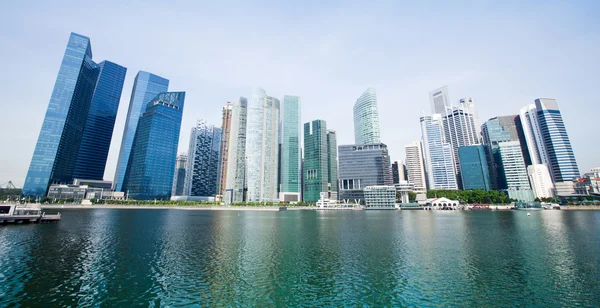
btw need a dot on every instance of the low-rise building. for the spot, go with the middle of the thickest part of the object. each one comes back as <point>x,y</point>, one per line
<point>380,197</point>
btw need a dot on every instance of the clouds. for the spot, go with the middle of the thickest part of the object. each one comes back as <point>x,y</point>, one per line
<point>503,54</point>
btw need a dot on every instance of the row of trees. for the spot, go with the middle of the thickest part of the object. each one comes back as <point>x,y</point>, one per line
<point>472,196</point>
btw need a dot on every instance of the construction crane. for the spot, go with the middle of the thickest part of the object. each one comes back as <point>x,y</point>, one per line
<point>8,185</point>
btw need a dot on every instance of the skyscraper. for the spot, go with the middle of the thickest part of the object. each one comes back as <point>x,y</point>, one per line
<point>145,88</point>
<point>95,143</point>
<point>316,177</point>
<point>495,131</point>
<point>561,159</point>
<point>262,147</point>
<point>533,135</point>
<point>361,166</point>
<point>290,150</point>
<point>236,162</point>
<point>439,160</point>
<point>366,119</point>
<point>202,171</point>
<point>155,148</point>
<point>474,167</point>
<point>461,128</point>
<point>439,100</point>
<point>224,152</point>
<point>514,172</point>
<point>332,165</point>
<point>63,139</point>
<point>415,167</point>
<point>179,176</point>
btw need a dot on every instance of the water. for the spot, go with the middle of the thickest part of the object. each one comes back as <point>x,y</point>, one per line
<point>303,258</point>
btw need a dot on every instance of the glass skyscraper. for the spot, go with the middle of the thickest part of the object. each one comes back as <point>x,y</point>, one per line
<point>316,158</point>
<point>439,100</point>
<point>366,119</point>
<point>226,130</point>
<point>154,148</point>
<point>474,167</point>
<point>290,149</point>
<point>262,147</point>
<point>95,143</point>
<point>57,150</point>
<point>201,177</point>
<point>179,176</point>
<point>236,163</point>
<point>361,166</point>
<point>438,155</point>
<point>332,164</point>
<point>145,88</point>
<point>561,159</point>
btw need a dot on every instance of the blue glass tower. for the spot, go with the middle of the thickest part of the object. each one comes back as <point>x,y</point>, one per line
<point>95,143</point>
<point>474,167</point>
<point>559,153</point>
<point>203,160</point>
<point>145,88</point>
<point>152,163</point>
<point>57,148</point>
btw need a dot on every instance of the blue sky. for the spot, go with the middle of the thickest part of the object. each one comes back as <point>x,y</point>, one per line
<point>503,54</point>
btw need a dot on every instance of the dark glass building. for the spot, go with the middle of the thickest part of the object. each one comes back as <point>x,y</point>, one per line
<point>316,175</point>
<point>57,150</point>
<point>95,143</point>
<point>155,148</point>
<point>145,88</point>
<point>474,167</point>
<point>204,156</point>
<point>361,166</point>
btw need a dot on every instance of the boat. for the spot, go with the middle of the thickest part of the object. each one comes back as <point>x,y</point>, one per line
<point>15,213</point>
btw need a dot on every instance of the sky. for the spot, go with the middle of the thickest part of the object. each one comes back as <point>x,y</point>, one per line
<point>503,54</point>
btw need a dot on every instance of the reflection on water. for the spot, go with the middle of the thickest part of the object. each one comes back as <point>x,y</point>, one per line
<point>309,258</point>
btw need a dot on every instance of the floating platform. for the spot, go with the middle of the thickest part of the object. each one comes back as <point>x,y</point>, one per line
<point>16,214</point>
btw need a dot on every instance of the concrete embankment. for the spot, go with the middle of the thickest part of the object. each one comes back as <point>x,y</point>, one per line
<point>166,207</point>
<point>580,207</point>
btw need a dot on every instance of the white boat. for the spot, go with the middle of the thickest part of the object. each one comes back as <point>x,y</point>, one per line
<point>15,213</point>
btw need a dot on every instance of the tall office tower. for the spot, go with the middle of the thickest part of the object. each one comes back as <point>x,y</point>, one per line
<point>474,167</point>
<point>179,176</point>
<point>502,129</point>
<point>439,160</point>
<point>226,130</point>
<point>415,167</point>
<point>290,150</point>
<point>236,161</point>
<point>95,143</point>
<point>154,148</point>
<point>439,100</point>
<point>361,166</point>
<point>396,172</point>
<point>316,169</point>
<point>533,135</point>
<point>146,87</point>
<point>202,171</point>
<point>63,139</point>
<point>262,147</point>
<point>540,180</point>
<point>461,128</point>
<point>515,177</point>
<point>332,165</point>
<point>366,118</point>
<point>559,153</point>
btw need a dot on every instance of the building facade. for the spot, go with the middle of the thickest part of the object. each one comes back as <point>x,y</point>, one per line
<point>332,165</point>
<point>146,87</point>
<point>202,171</point>
<point>438,155</point>
<point>316,175</point>
<point>380,197</point>
<point>541,182</point>
<point>439,100</point>
<point>559,153</point>
<point>415,168</point>
<point>366,119</point>
<point>474,167</point>
<point>98,131</point>
<point>179,176</point>
<point>262,147</point>
<point>361,166</point>
<point>290,150</point>
<point>155,148</point>
<point>224,152</point>
<point>235,182</point>
<point>59,143</point>
<point>515,178</point>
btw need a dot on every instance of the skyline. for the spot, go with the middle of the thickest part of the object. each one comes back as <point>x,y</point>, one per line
<point>320,75</point>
